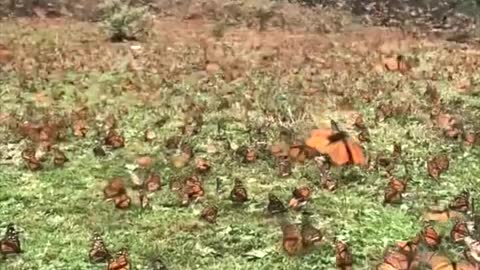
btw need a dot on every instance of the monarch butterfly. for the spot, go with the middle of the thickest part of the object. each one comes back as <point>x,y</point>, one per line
<point>59,157</point>
<point>338,145</point>
<point>397,184</point>
<point>437,165</point>
<point>120,261</point>
<point>392,196</point>
<point>33,164</point>
<point>153,183</point>
<point>310,234</point>
<point>98,151</point>
<point>202,165</point>
<point>461,203</point>
<point>275,206</point>
<point>292,239</point>
<point>430,237</point>
<point>192,189</point>
<point>300,152</point>
<point>284,166</point>
<point>396,260</point>
<point>300,197</point>
<point>98,253</point>
<point>239,192</point>
<point>114,188</point>
<point>364,135</point>
<point>10,244</point>
<point>459,231</point>
<point>209,214</point>
<point>114,139</point>
<point>404,257</point>
<point>343,256</point>
<point>122,201</point>
<point>250,155</point>
<point>158,265</point>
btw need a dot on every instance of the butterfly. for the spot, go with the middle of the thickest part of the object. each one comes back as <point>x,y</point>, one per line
<point>192,190</point>
<point>338,145</point>
<point>120,261</point>
<point>430,237</point>
<point>300,197</point>
<point>10,244</point>
<point>343,256</point>
<point>292,239</point>
<point>461,202</point>
<point>239,192</point>
<point>33,163</point>
<point>284,166</point>
<point>114,139</point>
<point>275,206</point>
<point>98,253</point>
<point>153,182</point>
<point>210,213</point>
<point>437,165</point>
<point>114,188</point>
<point>393,193</point>
<point>157,264</point>
<point>404,257</point>
<point>459,231</point>
<point>59,158</point>
<point>311,236</point>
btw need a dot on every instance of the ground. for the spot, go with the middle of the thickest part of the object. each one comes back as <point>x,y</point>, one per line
<point>272,80</point>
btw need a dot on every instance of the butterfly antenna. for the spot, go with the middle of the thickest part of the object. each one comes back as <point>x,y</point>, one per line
<point>334,125</point>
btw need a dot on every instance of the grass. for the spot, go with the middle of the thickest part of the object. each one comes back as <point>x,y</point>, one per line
<point>58,209</point>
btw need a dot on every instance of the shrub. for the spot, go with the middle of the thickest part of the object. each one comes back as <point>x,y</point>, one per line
<point>122,21</point>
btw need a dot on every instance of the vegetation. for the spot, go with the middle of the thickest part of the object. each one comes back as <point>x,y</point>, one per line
<point>197,96</point>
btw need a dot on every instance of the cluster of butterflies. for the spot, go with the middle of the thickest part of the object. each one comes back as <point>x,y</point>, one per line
<point>328,147</point>
<point>422,250</point>
<point>10,245</point>
<point>119,261</point>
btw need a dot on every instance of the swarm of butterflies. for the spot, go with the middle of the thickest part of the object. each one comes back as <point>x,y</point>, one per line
<point>327,147</point>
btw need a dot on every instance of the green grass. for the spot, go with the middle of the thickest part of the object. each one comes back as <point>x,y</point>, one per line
<point>57,210</point>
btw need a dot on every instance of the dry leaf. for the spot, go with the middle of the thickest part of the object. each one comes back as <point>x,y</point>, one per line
<point>144,161</point>
<point>441,215</point>
<point>180,160</point>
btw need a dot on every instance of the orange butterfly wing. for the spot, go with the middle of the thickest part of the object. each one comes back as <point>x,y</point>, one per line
<point>358,158</point>
<point>319,140</point>
<point>338,153</point>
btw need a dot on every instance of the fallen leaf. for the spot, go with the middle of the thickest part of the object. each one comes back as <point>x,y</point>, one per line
<point>144,161</point>
<point>442,215</point>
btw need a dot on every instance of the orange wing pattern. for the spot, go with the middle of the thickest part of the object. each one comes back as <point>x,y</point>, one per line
<point>341,152</point>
